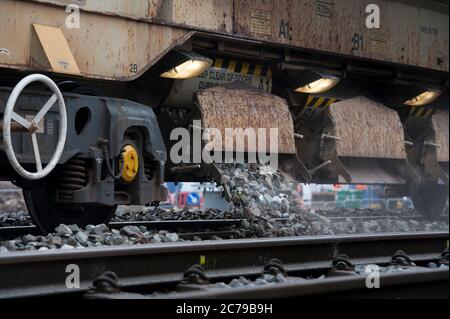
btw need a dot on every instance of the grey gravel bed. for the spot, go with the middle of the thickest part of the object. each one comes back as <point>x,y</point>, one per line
<point>13,211</point>
<point>267,203</point>
<point>139,213</point>
<point>15,218</point>
<point>71,237</point>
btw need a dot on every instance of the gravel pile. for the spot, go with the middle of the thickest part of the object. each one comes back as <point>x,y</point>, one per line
<point>314,224</point>
<point>262,196</point>
<point>355,212</point>
<point>71,237</point>
<point>318,225</point>
<point>13,210</point>
<point>139,213</point>
<point>241,282</point>
<point>266,279</point>
<point>11,218</point>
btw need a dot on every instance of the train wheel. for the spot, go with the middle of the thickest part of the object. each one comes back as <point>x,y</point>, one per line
<point>47,214</point>
<point>430,200</point>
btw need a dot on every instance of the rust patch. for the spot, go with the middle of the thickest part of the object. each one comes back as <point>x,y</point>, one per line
<point>119,48</point>
<point>367,129</point>
<point>339,26</point>
<point>441,127</point>
<point>241,106</point>
<point>126,37</point>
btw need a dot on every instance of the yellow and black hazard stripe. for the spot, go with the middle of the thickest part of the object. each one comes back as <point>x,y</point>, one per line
<point>242,67</point>
<point>422,112</point>
<point>317,103</point>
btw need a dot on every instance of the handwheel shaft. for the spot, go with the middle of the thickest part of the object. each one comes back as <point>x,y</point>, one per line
<point>15,127</point>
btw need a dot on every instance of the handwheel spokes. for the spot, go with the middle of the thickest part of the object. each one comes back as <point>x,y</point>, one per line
<point>37,154</point>
<point>32,127</point>
<point>45,109</point>
<point>21,120</point>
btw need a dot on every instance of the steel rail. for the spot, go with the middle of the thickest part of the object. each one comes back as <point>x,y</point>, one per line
<point>393,217</point>
<point>42,273</point>
<point>411,284</point>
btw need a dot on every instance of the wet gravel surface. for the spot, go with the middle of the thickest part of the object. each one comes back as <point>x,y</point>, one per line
<point>13,211</point>
<point>241,282</point>
<point>139,213</point>
<point>70,237</point>
<point>267,203</point>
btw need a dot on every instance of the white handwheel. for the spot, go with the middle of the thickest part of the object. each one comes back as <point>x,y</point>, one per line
<point>33,126</point>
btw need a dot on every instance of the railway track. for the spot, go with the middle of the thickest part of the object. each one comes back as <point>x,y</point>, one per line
<point>149,268</point>
<point>366,218</point>
<point>10,232</point>
<point>191,228</point>
<point>324,106</point>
